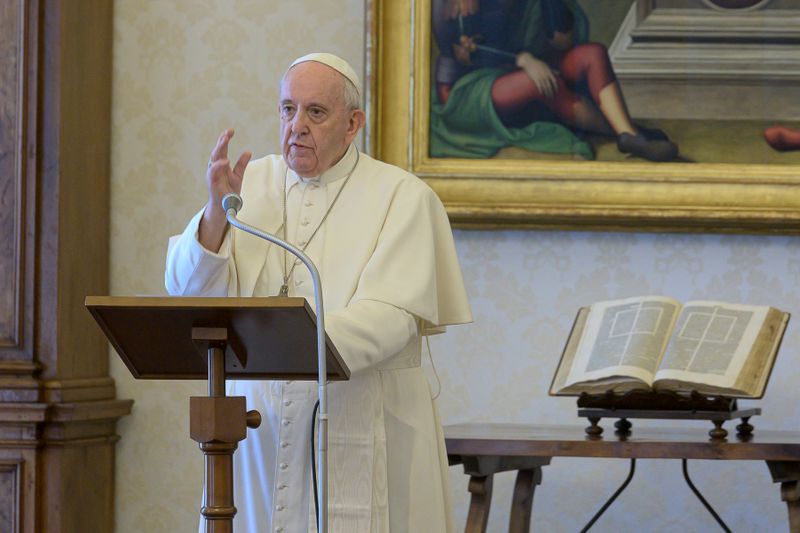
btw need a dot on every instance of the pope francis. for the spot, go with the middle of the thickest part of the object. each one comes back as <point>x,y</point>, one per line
<point>382,243</point>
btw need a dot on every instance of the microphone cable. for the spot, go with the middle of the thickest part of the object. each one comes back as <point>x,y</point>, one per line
<point>313,460</point>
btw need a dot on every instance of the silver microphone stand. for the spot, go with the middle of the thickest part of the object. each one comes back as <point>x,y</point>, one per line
<point>232,204</point>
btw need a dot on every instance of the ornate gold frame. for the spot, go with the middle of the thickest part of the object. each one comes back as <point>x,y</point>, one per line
<point>490,193</point>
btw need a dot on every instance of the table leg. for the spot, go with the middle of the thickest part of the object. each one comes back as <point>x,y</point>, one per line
<point>522,501</point>
<point>481,468</point>
<point>481,489</point>
<point>787,473</point>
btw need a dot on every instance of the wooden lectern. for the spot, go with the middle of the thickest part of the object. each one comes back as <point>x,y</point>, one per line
<point>215,339</point>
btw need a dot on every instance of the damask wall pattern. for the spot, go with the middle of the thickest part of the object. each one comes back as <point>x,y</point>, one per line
<point>186,69</point>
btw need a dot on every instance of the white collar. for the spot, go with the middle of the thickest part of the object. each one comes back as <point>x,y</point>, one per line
<point>338,171</point>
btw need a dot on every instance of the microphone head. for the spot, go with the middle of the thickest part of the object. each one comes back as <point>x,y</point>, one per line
<point>232,201</point>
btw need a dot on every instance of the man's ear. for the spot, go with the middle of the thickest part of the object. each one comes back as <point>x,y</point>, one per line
<point>357,121</point>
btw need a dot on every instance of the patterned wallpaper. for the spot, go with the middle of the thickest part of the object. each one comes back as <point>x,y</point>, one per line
<point>186,69</point>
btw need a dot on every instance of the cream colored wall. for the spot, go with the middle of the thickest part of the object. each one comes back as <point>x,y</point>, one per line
<point>184,70</point>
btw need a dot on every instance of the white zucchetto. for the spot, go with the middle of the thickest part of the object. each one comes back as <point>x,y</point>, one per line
<point>336,63</point>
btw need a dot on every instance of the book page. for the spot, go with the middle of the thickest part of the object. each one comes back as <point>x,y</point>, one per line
<point>624,337</point>
<point>752,381</point>
<point>711,342</point>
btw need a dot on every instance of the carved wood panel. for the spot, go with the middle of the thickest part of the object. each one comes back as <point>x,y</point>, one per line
<point>10,167</point>
<point>9,496</point>
<point>57,406</point>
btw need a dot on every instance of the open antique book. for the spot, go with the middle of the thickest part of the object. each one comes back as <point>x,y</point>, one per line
<point>714,348</point>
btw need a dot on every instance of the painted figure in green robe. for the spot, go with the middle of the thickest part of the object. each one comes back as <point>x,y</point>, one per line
<point>521,73</point>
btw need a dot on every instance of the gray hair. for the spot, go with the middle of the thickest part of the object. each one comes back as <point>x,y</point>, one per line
<point>351,97</point>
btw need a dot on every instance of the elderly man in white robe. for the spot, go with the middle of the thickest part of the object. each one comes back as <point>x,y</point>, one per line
<point>383,245</point>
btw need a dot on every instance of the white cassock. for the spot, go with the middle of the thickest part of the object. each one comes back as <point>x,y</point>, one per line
<point>390,275</point>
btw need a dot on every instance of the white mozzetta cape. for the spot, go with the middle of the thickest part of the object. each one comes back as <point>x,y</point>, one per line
<point>389,274</point>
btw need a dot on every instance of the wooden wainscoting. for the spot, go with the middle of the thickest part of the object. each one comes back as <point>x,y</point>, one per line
<point>58,410</point>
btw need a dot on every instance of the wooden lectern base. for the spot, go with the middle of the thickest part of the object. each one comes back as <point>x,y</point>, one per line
<point>218,422</point>
<point>244,338</point>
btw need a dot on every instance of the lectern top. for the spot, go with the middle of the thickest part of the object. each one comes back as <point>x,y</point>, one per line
<point>276,337</point>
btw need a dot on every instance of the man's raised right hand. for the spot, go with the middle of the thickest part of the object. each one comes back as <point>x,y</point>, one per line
<point>221,179</point>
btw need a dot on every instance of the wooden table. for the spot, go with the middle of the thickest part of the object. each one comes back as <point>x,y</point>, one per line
<point>486,449</point>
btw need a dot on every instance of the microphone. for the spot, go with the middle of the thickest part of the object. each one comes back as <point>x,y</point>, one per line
<point>232,201</point>
<point>232,204</point>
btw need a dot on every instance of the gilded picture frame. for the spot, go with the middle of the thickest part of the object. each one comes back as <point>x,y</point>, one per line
<point>512,193</point>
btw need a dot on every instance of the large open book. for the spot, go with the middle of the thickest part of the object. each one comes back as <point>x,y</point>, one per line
<point>714,348</point>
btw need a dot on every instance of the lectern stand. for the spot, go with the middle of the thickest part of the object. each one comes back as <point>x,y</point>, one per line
<point>215,339</point>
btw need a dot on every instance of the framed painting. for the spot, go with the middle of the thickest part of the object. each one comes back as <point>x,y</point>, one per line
<point>656,115</point>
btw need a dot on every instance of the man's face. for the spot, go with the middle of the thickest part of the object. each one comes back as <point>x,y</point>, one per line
<point>316,124</point>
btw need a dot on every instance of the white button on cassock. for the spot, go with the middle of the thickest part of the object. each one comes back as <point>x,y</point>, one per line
<point>284,466</point>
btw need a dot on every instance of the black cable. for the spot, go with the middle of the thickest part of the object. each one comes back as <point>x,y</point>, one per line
<point>313,461</point>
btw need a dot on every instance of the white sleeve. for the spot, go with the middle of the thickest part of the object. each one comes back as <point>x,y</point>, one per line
<point>192,270</point>
<point>368,332</point>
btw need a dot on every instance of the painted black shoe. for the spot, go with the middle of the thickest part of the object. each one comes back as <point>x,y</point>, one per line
<point>650,149</point>
<point>652,134</point>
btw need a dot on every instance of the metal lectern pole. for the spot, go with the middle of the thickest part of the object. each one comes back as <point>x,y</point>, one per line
<point>231,204</point>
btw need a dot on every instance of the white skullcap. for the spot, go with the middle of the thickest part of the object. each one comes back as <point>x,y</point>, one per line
<point>336,63</point>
